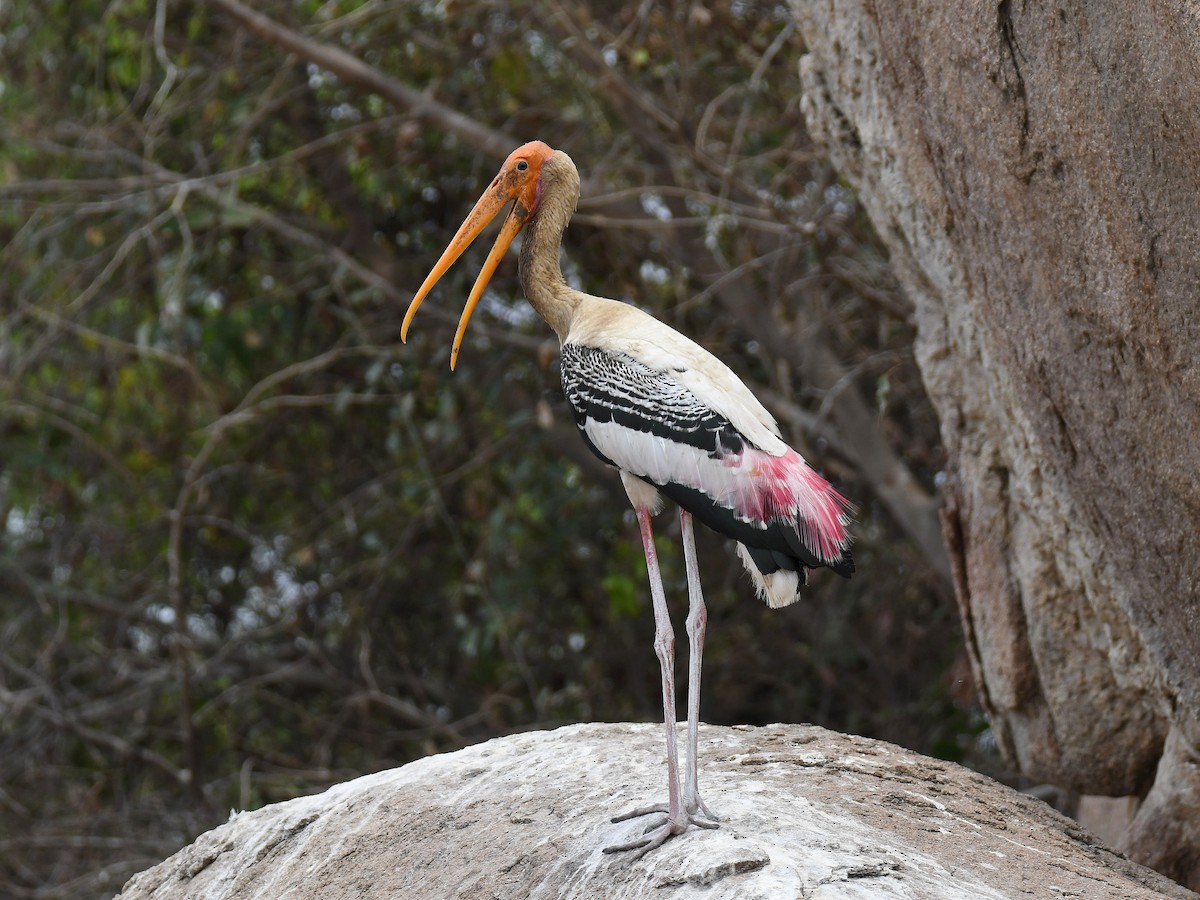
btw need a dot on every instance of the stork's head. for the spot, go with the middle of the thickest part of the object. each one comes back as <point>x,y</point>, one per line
<point>519,183</point>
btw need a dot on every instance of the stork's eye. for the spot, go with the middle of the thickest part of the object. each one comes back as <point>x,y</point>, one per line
<point>522,165</point>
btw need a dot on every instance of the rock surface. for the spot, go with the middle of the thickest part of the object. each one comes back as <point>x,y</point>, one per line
<point>1034,170</point>
<point>806,813</point>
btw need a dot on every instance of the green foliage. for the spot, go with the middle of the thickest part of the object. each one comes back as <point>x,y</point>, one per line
<point>254,546</point>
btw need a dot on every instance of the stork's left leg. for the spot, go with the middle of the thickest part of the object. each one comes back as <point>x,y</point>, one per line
<point>697,621</point>
<point>677,816</point>
<point>664,646</point>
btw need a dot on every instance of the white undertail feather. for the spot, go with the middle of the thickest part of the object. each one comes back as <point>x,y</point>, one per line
<point>780,588</point>
<point>642,494</point>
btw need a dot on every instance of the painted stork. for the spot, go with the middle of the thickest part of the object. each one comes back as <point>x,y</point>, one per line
<point>675,421</point>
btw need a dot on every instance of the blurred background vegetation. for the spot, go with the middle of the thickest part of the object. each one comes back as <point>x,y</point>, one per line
<point>252,545</point>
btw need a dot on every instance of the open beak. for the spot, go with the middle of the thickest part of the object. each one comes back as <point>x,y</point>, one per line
<point>517,184</point>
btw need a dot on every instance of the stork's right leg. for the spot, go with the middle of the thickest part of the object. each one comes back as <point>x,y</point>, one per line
<point>664,646</point>
<point>697,622</point>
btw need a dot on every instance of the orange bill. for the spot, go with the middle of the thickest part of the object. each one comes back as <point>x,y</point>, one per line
<point>517,183</point>
<point>485,210</point>
<point>508,232</point>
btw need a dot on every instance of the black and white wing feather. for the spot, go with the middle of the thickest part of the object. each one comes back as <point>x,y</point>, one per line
<point>645,407</point>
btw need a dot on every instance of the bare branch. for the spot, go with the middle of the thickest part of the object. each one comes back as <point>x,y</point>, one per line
<point>353,70</point>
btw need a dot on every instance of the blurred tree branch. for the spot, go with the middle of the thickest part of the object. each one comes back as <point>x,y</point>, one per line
<point>353,70</point>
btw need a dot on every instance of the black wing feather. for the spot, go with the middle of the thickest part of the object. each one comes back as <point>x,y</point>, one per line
<point>615,387</point>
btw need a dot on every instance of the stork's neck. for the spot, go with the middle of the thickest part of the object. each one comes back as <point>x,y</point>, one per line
<point>541,276</point>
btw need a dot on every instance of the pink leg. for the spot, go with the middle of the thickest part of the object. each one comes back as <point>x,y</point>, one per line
<point>664,647</point>
<point>697,620</point>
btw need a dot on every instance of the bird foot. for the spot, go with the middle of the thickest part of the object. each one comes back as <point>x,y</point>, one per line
<point>654,836</point>
<point>659,830</point>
